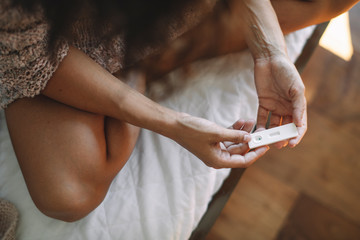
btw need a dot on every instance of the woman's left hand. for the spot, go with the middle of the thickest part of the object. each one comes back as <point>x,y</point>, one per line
<point>281,92</point>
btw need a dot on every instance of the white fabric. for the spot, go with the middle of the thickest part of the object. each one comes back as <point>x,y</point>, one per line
<point>163,190</point>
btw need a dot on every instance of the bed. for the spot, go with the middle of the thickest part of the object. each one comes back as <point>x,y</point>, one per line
<point>163,190</point>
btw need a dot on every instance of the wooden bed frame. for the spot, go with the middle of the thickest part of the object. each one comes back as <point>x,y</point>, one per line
<point>221,197</point>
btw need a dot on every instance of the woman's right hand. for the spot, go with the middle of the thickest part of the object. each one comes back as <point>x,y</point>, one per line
<point>216,146</point>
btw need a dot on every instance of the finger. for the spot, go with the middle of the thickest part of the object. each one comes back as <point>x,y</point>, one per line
<point>234,148</point>
<point>286,119</point>
<point>249,126</point>
<point>243,125</point>
<point>259,129</point>
<point>281,144</point>
<point>301,130</point>
<point>231,135</point>
<point>262,117</point>
<point>240,148</point>
<point>252,156</point>
<point>238,125</point>
<point>223,146</point>
<point>299,106</point>
<point>244,161</point>
<point>275,120</point>
<point>227,144</point>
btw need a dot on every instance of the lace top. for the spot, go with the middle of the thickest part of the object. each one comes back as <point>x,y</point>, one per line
<point>26,66</point>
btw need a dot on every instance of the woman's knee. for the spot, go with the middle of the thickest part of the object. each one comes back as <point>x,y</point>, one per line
<point>62,153</point>
<point>71,200</point>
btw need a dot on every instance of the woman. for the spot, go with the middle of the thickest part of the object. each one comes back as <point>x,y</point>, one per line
<point>78,129</point>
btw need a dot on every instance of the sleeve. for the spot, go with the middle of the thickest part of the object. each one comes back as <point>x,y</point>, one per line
<point>25,62</point>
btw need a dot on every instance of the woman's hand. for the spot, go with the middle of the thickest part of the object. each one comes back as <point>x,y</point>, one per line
<point>216,146</point>
<point>281,92</point>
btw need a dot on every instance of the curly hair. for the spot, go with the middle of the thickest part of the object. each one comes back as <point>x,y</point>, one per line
<point>133,18</point>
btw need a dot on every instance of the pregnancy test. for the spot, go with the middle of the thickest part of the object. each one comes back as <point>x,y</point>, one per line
<point>273,135</point>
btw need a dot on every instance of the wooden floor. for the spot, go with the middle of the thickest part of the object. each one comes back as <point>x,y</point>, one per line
<point>312,191</point>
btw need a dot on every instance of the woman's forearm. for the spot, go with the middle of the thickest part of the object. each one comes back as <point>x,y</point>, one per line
<point>81,83</point>
<point>261,27</point>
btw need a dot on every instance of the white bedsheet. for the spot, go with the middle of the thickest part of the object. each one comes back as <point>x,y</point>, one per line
<point>163,190</point>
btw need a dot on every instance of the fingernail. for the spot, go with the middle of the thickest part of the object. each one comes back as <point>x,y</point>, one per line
<point>247,138</point>
<point>292,145</point>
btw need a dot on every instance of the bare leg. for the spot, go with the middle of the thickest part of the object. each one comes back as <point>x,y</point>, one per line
<point>68,157</point>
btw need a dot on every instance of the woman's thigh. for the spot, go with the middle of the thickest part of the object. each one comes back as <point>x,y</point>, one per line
<point>54,141</point>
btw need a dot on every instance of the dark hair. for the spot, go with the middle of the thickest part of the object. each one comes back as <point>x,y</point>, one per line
<point>133,18</point>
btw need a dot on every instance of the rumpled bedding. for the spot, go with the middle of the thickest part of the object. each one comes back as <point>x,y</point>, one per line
<point>163,190</point>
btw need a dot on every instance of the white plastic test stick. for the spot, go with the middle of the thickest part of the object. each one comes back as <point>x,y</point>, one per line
<point>273,135</point>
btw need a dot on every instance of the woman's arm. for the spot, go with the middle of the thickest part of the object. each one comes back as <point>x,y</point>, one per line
<point>81,83</point>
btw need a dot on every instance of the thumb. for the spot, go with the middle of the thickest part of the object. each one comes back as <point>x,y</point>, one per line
<point>297,96</point>
<point>235,136</point>
<point>299,110</point>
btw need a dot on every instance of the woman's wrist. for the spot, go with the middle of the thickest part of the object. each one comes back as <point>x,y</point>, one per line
<point>269,53</point>
<point>271,57</point>
<point>168,125</point>
<point>138,110</point>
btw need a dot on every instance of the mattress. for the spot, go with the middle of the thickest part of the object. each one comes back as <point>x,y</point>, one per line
<point>163,190</point>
